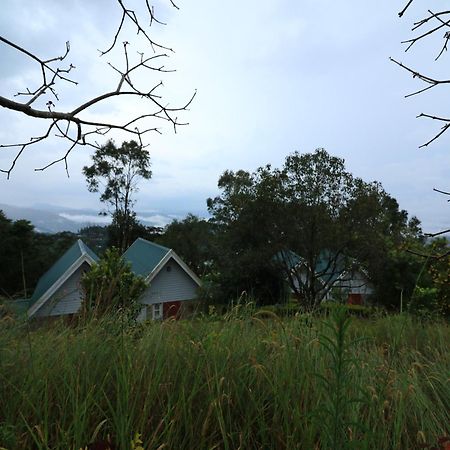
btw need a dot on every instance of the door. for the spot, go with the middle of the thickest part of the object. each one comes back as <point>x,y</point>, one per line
<point>355,299</point>
<point>171,309</point>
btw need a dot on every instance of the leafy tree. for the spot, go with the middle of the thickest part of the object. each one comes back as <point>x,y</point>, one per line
<point>18,253</point>
<point>26,255</point>
<point>111,286</point>
<point>246,216</point>
<point>116,173</point>
<point>136,230</point>
<point>6,252</point>
<point>311,207</point>
<point>439,271</point>
<point>96,237</point>
<point>191,239</point>
<point>317,192</point>
<point>432,293</point>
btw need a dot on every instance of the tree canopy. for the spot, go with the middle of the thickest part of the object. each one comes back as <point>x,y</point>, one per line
<point>311,207</point>
<point>115,173</point>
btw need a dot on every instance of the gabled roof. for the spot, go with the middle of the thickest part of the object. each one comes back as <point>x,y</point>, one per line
<point>327,272</point>
<point>288,258</point>
<point>144,256</point>
<point>147,259</point>
<point>59,272</point>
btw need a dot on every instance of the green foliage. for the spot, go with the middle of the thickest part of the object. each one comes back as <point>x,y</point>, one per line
<point>334,413</point>
<point>26,255</point>
<point>424,300</point>
<point>431,293</point>
<point>135,229</point>
<point>249,381</point>
<point>439,272</point>
<point>352,310</point>
<point>246,236</point>
<point>191,239</point>
<point>311,206</point>
<point>116,171</point>
<point>110,287</point>
<point>16,238</point>
<point>95,237</point>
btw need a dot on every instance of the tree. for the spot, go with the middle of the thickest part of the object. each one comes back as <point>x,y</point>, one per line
<point>111,287</point>
<point>191,239</point>
<point>117,172</point>
<point>136,230</point>
<point>25,255</point>
<point>246,236</point>
<point>305,223</point>
<point>75,124</point>
<point>438,23</point>
<point>439,271</point>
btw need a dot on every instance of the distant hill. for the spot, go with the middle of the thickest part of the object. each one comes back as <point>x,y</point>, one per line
<point>53,219</point>
<point>44,221</point>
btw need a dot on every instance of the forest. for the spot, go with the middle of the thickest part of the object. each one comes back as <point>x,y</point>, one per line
<point>310,206</point>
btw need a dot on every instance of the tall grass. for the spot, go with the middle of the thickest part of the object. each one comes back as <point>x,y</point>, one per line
<point>246,381</point>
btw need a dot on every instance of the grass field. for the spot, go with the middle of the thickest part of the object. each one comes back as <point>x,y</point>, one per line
<point>244,381</point>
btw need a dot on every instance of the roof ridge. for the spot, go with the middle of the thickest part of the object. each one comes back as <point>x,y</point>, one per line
<point>153,243</point>
<point>81,246</point>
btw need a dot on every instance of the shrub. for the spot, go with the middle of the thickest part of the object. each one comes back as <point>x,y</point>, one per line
<point>111,286</point>
<point>355,310</point>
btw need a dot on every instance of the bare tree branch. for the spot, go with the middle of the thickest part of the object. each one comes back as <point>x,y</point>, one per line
<point>429,255</point>
<point>400,14</point>
<point>442,192</point>
<point>437,21</point>
<point>75,126</point>
<point>439,233</point>
<point>430,82</point>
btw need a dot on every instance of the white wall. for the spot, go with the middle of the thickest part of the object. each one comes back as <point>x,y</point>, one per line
<point>173,285</point>
<point>67,299</point>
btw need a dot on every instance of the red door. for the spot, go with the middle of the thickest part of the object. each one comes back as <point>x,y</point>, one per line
<point>355,299</point>
<point>171,309</point>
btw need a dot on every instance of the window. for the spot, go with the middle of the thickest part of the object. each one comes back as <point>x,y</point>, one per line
<point>157,311</point>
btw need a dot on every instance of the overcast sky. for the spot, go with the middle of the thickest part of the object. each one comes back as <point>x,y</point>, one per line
<point>273,77</point>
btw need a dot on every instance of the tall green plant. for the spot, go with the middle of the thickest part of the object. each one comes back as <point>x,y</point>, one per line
<point>334,411</point>
<point>111,286</point>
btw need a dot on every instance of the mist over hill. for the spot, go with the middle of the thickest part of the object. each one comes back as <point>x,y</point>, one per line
<point>54,219</point>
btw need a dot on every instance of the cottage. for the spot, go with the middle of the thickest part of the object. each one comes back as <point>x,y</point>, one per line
<point>354,285</point>
<point>58,291</point>
<point>172,285</point>
<point>337,277</point>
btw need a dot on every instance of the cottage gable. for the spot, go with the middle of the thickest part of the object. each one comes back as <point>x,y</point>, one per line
<point>171,282</point>
<point>58,290</point>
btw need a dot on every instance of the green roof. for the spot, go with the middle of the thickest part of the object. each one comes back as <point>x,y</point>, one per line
<point>144,256</point>
<point>323,267</point>
<point>288,258</point>
<point>78,249</point>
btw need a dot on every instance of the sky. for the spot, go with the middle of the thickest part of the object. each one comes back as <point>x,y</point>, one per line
<point>272,77</point>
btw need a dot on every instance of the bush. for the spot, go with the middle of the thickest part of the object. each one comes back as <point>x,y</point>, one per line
<point>111,286</point>
<point>354,310</point>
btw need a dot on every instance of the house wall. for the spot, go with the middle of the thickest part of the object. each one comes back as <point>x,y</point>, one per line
<point>357,283</point>
<point>67,299</point>
<point>173,285</point>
